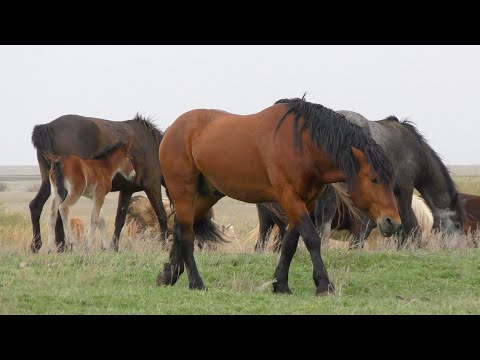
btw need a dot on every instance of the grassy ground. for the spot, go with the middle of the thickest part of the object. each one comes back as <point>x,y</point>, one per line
<point>444,282</point>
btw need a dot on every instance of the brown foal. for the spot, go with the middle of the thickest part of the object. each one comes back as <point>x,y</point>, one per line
<point>72,177</point>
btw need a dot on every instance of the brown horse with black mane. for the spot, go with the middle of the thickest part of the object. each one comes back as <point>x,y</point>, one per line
<point>285,153</point>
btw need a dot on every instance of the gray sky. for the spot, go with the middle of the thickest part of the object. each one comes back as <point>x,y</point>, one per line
<point>437,87</point>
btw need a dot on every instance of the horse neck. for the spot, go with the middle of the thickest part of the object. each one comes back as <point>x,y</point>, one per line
<point>435,188</point>
<point>112,163</point>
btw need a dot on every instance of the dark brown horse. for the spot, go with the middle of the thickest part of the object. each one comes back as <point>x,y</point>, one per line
<point>285,153</point>
<point>86,137</point>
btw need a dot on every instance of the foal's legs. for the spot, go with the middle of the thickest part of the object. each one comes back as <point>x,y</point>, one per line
<point>122,209</point>
<point>299,217</point>
<point>98,200</point>
<point>64,209</point>
<point>53,215</point>
<point>101,229</point>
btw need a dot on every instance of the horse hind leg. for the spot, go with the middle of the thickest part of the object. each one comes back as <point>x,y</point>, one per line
<point>37,203</point>
<point>155,197</point>
<point>122,209</point>
<point>188,206</point>
<point>64,209</point>
<point>95,218</point>
<point>52,216</point>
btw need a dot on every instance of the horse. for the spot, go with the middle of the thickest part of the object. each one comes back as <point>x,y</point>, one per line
<point>472,208</point>
<point>346,217</point>
<point>72,177</point>
<point>417,166</point>
<point>87,136</point>
<point>284,153</point>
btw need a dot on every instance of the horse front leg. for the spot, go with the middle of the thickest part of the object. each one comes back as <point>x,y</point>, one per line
<point>409,221</point>
<point>299,217</point>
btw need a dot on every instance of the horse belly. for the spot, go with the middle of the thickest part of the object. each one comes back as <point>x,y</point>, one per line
<point>236,171</point>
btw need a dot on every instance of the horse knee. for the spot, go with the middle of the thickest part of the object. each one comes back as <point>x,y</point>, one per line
<point>63,210</point>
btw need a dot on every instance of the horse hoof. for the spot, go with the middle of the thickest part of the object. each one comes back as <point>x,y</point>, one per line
<point>281,289</point>
<point>36,247</point>
<point>325,290</point>
<point>164,278</point>
<point>200,287</point>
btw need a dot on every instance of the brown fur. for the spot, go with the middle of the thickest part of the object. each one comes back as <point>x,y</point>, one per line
<point>73,177</point>
<point>207,154</point>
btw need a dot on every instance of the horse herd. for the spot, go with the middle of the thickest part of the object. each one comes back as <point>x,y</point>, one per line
<point>285,158</point>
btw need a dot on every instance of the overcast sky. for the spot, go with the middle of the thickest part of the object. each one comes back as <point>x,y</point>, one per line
<point>437,87</point>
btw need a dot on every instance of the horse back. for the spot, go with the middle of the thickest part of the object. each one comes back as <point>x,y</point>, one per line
<point>73,135</point>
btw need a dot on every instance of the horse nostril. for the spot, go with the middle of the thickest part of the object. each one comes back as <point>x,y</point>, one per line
<point>389,221</point>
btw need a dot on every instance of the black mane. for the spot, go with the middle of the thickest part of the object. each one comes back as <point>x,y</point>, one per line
<point>336,134</point>
<point>107,151</point>
<point>148,124</point>
<point>452,189</point>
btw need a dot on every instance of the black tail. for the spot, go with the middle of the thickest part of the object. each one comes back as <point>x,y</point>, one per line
<point>42,138</point>
<point>58,172</point>
<point>205,230</point>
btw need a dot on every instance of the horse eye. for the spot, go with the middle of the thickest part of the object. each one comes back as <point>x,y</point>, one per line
<point>457,226</point>
<point>374,180</point>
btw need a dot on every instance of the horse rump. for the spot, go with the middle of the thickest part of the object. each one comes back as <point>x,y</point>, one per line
<point>42,138</point>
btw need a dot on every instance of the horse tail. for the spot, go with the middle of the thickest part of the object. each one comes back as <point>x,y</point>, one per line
<point>205,228</point>
<point>42,138</point>
<point>57,169</point>
<point>423,214</point>
<point>344,204</point>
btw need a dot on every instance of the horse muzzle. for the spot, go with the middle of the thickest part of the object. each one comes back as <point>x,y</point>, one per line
<point>388,226</point>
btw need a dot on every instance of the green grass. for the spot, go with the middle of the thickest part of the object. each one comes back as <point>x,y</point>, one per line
<point>442,282</point>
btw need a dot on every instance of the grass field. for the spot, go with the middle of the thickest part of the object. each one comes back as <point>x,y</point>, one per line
<point>382,281</point>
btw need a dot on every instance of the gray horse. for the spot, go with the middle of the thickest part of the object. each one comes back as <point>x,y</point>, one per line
<point>417,166</point>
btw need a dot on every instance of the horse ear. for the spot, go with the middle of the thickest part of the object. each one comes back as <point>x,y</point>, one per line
<point>129,144</point>
<point>359,155</point>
